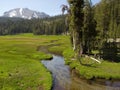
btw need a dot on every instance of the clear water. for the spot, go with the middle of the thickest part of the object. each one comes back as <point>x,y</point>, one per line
<point>63,79</point>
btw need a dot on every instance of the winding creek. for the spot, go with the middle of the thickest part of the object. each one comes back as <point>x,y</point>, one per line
<point>63,78</point>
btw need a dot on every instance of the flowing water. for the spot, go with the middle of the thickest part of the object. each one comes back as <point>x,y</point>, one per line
<point>63,79</point>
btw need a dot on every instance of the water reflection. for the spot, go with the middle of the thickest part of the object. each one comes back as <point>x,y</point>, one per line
<point>65,80</point>
<point>61,73</point>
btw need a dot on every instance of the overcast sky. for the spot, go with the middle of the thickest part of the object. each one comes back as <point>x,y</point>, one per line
<point>51,7</point>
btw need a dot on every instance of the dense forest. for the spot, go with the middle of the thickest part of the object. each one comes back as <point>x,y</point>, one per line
<point>107,16</point>
<point>95,28</point>
<point>102,18</point>
<point>49,26</point>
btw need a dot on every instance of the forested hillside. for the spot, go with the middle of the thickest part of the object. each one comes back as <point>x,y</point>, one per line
<point>107,16</point>
<point>104,18</point>
<point>95,28</point>
<point>49,26</point>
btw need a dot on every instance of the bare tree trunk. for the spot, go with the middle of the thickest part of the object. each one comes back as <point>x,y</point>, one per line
<point>74,41</point>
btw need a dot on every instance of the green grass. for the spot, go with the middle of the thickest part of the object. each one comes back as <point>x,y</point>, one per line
<point>21,69</point>
<point>20,66</point>
<point>91,69</point>
<point>60,45</point>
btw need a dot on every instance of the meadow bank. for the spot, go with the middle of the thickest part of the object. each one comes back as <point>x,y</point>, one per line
<point>20,66</point>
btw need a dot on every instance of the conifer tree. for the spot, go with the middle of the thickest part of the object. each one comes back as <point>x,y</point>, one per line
<point>89,29</point>
<point>76,24</point>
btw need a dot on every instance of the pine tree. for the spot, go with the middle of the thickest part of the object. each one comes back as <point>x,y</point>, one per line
<point>107,16</point>
<point>89,29</point>
<point>76,24</point>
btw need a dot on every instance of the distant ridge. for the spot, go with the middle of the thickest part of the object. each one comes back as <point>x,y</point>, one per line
<point>25,13</point>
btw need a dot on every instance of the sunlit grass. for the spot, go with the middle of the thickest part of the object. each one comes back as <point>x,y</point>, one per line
<point>20,66</point>
<point>21,69</point>
<point>91,69</point>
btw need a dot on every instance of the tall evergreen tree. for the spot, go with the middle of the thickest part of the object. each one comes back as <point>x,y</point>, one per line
<point>76,24</point>
<point>107,14</point>
<point>89,29</point>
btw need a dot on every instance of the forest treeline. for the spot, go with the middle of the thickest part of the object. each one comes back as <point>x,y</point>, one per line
<point>106,22</point>
<point>107,16</point>
<point>48,26</point>
<point>95,28</point>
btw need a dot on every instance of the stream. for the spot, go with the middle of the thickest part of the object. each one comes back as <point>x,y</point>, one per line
<point>63,78</point>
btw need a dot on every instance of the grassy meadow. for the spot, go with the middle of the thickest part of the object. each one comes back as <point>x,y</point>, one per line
<point>90,69</point>
<point>21,69</point>
<point>20,66</point>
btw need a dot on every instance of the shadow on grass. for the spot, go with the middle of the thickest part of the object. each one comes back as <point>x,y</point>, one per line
<point>87,64</point>
<point>113,59</point>
<point>46,49</point>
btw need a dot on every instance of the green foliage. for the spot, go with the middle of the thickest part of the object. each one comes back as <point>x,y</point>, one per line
<point>89,29</point>
<point>107,16</point>
<point>76,23</point>
<point>49,26</point>
<point>110,51</point>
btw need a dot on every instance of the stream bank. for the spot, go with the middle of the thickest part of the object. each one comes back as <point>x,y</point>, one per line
<point>65,79</point>
<point>65,76</point>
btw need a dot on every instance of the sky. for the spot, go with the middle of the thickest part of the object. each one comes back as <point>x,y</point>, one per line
<point>50,7</point>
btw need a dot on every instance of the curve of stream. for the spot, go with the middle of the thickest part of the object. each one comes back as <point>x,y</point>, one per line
<point>64,80</point>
